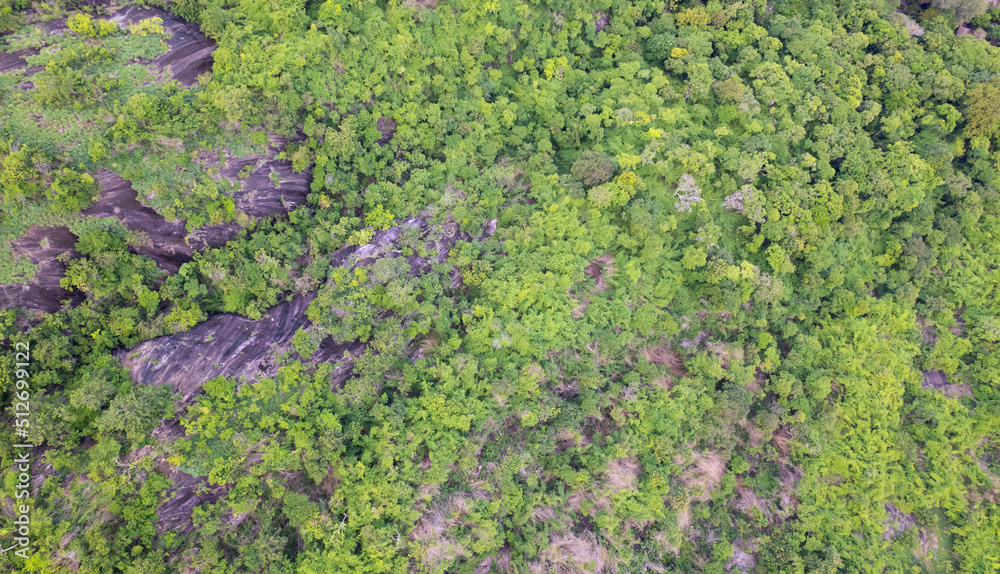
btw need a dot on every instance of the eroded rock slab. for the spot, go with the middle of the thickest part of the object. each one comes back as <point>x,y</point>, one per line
<point>42,246</point>
<point>16,60</point>
<point>897,522</point>
<point>190,52</point>
<point>188,55</point>
<point>259,196</point>
<point>165,239</point>
<point>938,381</point>
<point>225,345</point>
<point>168,243</point>
<point>180,500</point>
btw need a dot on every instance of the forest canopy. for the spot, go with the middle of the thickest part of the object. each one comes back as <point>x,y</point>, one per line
<point>503,286</point>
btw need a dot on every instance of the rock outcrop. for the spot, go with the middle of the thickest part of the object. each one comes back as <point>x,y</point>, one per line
<point>226,345</point>
<point>43,247</point>
<point>189,52</point>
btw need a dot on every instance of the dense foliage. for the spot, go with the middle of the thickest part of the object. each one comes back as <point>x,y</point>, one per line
<point>640,285</point>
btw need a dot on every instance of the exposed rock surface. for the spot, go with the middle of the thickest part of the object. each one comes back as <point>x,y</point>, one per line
<point>166,240</point>
<point>601,21</point>
<point>898,522</point>
<point>15,60</point>
<point>234,346</point>
<point>259,197</point>
<point>189,53</point>
<point>387,126</point>
<point>42,246</point>
<point>225,345</point>
<point>180,500</point>
<point>168,243</point>
<point>912,26</point>
<point>937,381</point>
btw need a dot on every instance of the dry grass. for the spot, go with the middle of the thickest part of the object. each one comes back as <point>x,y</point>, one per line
<point>665,383</point>
<point>754,432</point>
<point>683,520</point>
<point>67,559</point>
<point>652,567</point>
<point>622,473</point>
<point>543,514</point>
<point>706,472</point>
<point>664,356</point>
<point>570,553</point>
<point>432,544</point>
<point>173,144</point>
<point>574,501</point>
<point>503,564</point>
<point>428,491</point>
<point>728,352</point>
<point>428,344</point>
<point>595,350</point>
<point>742,559</point>
<point>780,440</point>
<point>746,500</point>
<point>669,542</point>
<point>788,477</point>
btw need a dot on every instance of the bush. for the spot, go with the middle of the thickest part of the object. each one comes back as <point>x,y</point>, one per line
<point>71,191</point>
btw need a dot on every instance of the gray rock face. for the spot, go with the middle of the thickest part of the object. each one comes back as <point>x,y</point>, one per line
<point>168,243</point>
<point>16,60</point>
<point>225,345</point>
<point>166,240</point>
<point>897,522</point>
<point>189,53</point>
<point>938,381</point>
<point>42,246</point>
<point>258,196</point>
<point>601,21</point>
<point>180,501</point>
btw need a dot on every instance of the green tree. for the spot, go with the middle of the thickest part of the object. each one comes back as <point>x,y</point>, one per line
<point>965,10</point>
<point>982,116</point>
<point>134,414</point>
<point>593,168</point>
